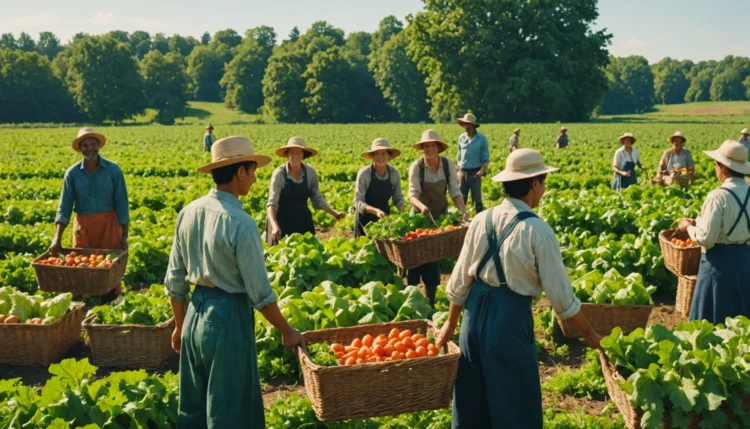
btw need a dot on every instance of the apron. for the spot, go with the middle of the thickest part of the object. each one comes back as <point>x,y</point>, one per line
<point>723,286</point>
<point>622,182</point>
<point>498,384</point>
<point>99,231</point>
<point>379,193</point>
<point>294,214</point>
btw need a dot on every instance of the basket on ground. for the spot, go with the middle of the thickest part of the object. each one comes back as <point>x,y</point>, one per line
<point>130,346</point>
<point>378,389</point>
<point>685,289</point>
<point>81,281</point>
<point>682,261</point>
<point>605,317</point>
<point>27,344</point>
<point>408,254</point>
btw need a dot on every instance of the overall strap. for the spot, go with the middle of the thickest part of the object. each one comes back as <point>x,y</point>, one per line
<point>495,242</point>
<point>446,169</point>
<point>420,164</point>
<point>743,210</point>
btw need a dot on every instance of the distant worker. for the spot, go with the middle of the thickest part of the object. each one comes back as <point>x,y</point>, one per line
<point>626,158</point>
<point>472,161</point>
<point>209,138</point>
<point>745,138</point>
<point>676,157</point>
<point>562,139</point>
<point>513,142</point>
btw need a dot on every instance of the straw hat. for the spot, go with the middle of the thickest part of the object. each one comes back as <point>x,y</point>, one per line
<point>744,131</point>
<point>468,119</point>
<point>626,135</point>
<point>233,150</point>
<point>210,127</point>
<point>523,164</point>
<point>677,134</point>
<point>516,130</point>
<point>299,143</point>
<point>431,136</point>
<point>381,144</point>
<point>88,132</point>
<point>563,129</point>
<point>733,155</point>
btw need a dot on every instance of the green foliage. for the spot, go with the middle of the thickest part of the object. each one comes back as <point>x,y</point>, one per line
<point>243,76</point>
<point>25,306</point>
<point>394,227</point>
<point>321,354</point>
<point>166,85</point>
<point>584,381</point>
<point>149,308</point>
<point>728,86</point>
<point>613,288</point>
<point>671,81</point>
<point>205,68</point>
<point>631,86</point>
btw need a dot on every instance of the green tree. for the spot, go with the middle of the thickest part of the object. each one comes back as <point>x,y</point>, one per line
<point>631,86</point>
<point>205,70</point>
<point>120,36</point>
<point>727,86</point>
<point>670,81</point>
<point>228,37</point>
<point>160,43</point>
<point>700,86</point>
<point>293,35</point>
<point>388,27</point>
<point>166,85</point>
<point>328,99</point>
<point>746,84</point>
<point>140,43</point>
<point>243,76</point>
<point>370,105</point>
<point>7,41</point>
<point>182,45</point>
<point>49,45</point>
<point>26,43</point>
<point>266,38</point>
<point>78,36</point>
<point>205,38</point>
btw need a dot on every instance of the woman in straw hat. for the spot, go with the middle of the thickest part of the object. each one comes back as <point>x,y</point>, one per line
<point>677,157</point>
<point>292,185</point>
<point>217,247</point>
<point>626,158</point>
<point>95,189</point>
<point>723,229</point>
<point>509,256</point>
<point>745,138</point>
<point>377,184</point>
<point>430,178</point>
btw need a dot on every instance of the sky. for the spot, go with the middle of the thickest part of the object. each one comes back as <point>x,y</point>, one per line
<point>681,29</point>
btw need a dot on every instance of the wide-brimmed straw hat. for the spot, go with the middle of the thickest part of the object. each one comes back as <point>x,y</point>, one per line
<point>744,131</point>
<point>677,134</point>
<point>622,137</point>
<point>233,150</point>
<point>563,129</point>
<point>732,154</point>
<point>431,136</point>
<point>381,144</point>
<point>516,130</point>
<point>468,119</point>
<point>85,133</point>
<point>299,143</point>
<point>523,164</point>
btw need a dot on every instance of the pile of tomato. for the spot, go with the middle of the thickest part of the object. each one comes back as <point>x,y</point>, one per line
<point>683,243</point>
<point>397,345</point>
<point>419,232</point>
<point>76,260</point>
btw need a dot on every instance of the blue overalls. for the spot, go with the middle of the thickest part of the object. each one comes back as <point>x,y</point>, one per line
<point>622,182</point>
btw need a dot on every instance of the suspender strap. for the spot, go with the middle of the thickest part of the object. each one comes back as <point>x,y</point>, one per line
<point>743,210</point>
<point>446,169</point>
<point>496,242</point>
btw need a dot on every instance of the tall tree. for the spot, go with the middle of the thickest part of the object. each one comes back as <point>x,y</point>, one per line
<point>631,86</point>
<point>205,38</point>
<point>243,76</point>
<point>182,45</point>
<point>388,27</point>
<point>228,37</point>
<point>370,105</point>
<point>700,86</point>
<point>119,35</point>
<point>26,43</point>
<point>328,99</point>
<point>7,41</point>
<point>49,45</point>
<point>160,43</point>
<point>727,86</point>
<point>293,35</point>
<point>670,81</point>
<point>166,85</point>
<point>206,68</point>
<point>266,38</point>
<point>140,43</point>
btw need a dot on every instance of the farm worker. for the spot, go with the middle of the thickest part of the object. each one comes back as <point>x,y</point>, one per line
<point>472,160</point>
<point>217,248</point>
<point>292,185</point>
<point>723,229</point>
<point>626,158</point>
<point>95,189</point>
<point>562,139</point>
<point>430,178</point>
<point>509,256</point>
<point>745,138</point>
<point>677,156</point>
<point>377,185</point>
<point>209,138</point>
<point>513,142</point>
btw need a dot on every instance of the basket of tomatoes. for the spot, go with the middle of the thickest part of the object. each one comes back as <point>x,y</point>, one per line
<point>81,271</point>
<point>681,255</point>
<point>423,245</point>
<point>377,370</point>
<point>681,177</point>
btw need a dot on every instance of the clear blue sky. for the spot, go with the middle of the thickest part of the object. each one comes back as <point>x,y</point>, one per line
<point>694,29</point>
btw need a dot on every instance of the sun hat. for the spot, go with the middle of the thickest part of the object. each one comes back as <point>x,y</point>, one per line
<point>85,133</point>
<point>677,134</point>
<point>381,144</point>
<point>744,131</point>
<point>296,142</point>
<point>430,136</point>
<point>516,130</point>
<point>210,127</point>
<point>468,119</point>
<point>523,164</point>
<point>733,155</point>
<point>233,150</point>
<point>626,135</point>
<point>563,129</point>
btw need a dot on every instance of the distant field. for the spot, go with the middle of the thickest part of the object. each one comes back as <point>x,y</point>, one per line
<point>201,112</point>
<point>710,112</point>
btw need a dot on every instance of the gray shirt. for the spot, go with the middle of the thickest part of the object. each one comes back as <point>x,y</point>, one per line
<point>363,182</point>
<point>745,143</point>
<point>278,181</point>
<point>513,141</point>
<point>415,187</point>
<point>562,140</point>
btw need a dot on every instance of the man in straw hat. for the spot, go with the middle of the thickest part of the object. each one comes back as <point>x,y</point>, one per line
<point>562,139</point>
<point>677,156</point>
<point>209,138</point>
<point>745,138</point>
<point>95,189</point>
<point>509,256</point>
<point>723,229</point>
<point>217,248</point>
<point>377,184</point>
<point>473,159</point>
<point>513,142</point>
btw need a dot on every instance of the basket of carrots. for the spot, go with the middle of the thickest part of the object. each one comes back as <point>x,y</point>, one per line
<point>681,255</point>
<point>377,370</point>
<point>81,271</point>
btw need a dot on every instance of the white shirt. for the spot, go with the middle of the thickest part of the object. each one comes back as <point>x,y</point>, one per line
<point>621,157</point>
<point>530,256</point>
<point>718,214</point>
<point>415,187</point>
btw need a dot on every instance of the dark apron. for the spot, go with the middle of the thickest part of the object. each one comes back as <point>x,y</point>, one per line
<point>293,214</point>
<point>433,195</point>
<point>622,182</point>
<point>379,193</point>
<point>497,385</point>
<point>723,286</point>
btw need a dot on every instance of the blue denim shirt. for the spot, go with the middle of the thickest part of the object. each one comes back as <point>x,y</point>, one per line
<point>474,152</point>
<point>101,192</point>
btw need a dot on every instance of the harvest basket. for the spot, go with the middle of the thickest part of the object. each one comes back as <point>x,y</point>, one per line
<point>683,181</point>
<point>81,281</point>
<point>605,317</point>
<point>378,389</point>
<point>130,346</point>
<point>685,289</point>
<point>682,261</point>
<point>27,344</point>
<point>408,254</point>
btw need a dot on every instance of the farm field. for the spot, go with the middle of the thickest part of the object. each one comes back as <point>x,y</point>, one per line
<point>599,231</point>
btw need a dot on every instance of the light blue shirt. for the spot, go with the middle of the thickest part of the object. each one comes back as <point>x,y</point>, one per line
<point>217,244</point>
<point>474,152</point>
<point>98,193</point>
<point>208,141</point>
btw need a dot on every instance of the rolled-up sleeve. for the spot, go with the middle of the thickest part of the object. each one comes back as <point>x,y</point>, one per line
<point>415,188</point>
<point>312,182</point>
<point>360,190</point>
<point>398,195</point>
<point>553,276</point>
<point>453,189</point>
<point>275,188</point>
<point>459,285</point>
<point>708,224</point>
<point>252,267</point>
<point>121,197</point>
<point>65,206</point>
<point>175,281</point>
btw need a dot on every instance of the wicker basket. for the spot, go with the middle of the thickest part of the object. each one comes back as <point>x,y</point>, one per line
<point>130,346</point>
<point>657,182</point>
<point>378,389</point>
<point>413,253</point>
<point>26,344</point>
<point>81,281</point>
<point>605,317</point>
<point>682,261</point>
<point>685,289</point>
<point>684,182</point>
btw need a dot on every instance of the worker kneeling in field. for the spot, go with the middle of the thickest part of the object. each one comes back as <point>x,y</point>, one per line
<point>95,188</point>
<point>217,248</point>
<point>509,256</point>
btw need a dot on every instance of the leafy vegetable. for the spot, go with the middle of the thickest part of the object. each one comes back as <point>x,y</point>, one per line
<point>396,225</point>
<point>150,308</point>
<point>613,288</point>
<point>27,307</point>
<point>321,354</point>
